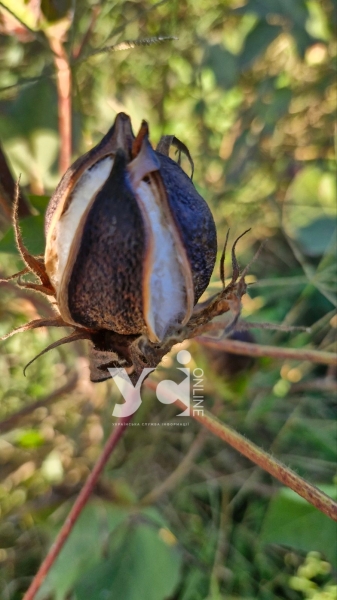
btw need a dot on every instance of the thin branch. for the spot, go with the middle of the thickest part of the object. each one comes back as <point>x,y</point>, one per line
<point>77,508</point>
<point>50,74</point>
<point>280,281</point>
<point>270,464</point>
<point>257,350</point>
<point>47,74</point>
<point>219,326</point>
<point>128,21</point>
<point>322,384</point>
<point>243,325</point>
<point>261,458</point>
<point>129,45</point>
<point>63,79</point>
<point>16,418</point>
<point>222,261</point>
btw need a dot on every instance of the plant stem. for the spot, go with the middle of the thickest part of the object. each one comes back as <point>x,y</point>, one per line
<point>257,350</point>
<point>77,508</point>
<point>258,456</point>
<point>63,79</point>
<point>267,462</point>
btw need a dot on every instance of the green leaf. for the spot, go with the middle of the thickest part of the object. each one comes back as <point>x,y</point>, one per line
<point>83,549</point>
<point>114,553</point>
<point>32,233</point>
<point>223,65</point>
<point>316,237</point>
<point>143,566</point>
<point>293,522</point>
<point>257,41</point>
<point>39,202</point>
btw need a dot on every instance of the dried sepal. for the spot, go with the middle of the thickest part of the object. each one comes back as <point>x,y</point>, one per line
<point>35,324</point>
<point>33,264</point>
<point>72,337</point>
<point>165,143</point>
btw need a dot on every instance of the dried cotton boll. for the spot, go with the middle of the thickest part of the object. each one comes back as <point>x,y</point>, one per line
<point>116,251</point>
<point>130,248</point>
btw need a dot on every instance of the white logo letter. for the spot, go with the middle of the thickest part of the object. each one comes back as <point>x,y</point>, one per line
<point>168,391</point>
<point>130,393</point>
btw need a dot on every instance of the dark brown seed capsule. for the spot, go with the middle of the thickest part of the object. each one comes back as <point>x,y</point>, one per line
<point>130,248</point>
<point>131,245</point>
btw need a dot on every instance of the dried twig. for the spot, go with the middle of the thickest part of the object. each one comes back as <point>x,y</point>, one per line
<point>261,458</point>
<point>321,384</point>
<point>257,350</point>
<point>77,508</point>
<point>129,44</point>
<point>64,101</point>
<point>220,326</point>
<point>270,464</point>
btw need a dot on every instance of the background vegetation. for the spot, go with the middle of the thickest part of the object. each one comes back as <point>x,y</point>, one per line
<point>250,87</point>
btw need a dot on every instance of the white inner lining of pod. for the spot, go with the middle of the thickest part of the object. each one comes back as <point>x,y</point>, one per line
<point>168,299</point>
<point>85,190</point>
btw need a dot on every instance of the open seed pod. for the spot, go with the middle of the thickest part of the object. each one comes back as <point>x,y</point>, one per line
<point>130,245</point>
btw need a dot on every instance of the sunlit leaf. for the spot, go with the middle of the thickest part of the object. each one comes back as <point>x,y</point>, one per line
<point>294,523</point>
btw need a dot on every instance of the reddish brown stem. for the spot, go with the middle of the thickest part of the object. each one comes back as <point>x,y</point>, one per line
<point>77,508</point>
<point>267,462</point>
<point>261,458</point>
<point>63,74</point>
<point>256,350</point>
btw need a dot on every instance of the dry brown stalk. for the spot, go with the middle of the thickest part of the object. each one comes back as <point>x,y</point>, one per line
<point>63,79</point>
<point>77,508</point>
<point>257,350</point>
<point>261,458</point>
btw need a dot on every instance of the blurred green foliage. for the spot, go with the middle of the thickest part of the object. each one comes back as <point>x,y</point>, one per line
<point>250,87</point>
